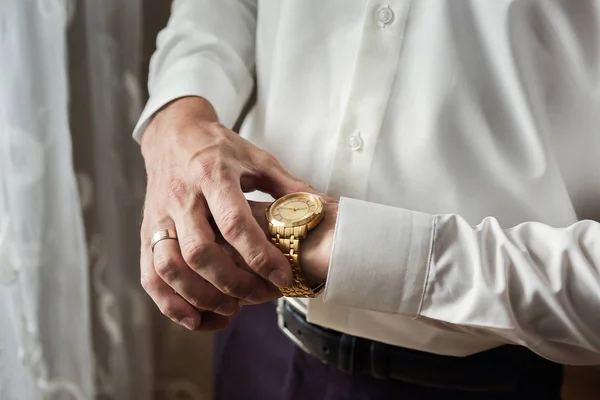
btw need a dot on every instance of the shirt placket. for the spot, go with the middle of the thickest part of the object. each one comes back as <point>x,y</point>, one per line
<point>374,71</point>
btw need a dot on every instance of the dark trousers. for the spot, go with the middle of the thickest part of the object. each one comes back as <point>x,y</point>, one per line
<point>255,361</point>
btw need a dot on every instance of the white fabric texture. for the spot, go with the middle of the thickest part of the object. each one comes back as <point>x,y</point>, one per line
<point>110,75</point>
<point>45,337</point>
<point>60,57</point>
<point>482,115</point>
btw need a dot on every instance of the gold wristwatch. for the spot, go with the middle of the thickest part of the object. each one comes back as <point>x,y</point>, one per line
<point>290,219</point>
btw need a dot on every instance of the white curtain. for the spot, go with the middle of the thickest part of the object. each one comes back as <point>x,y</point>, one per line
<point>45,337</point>
<point>74,322</point>
<point>109,67</point>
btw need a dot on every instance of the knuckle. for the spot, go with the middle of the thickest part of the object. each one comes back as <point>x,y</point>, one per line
<point>177,189</point>
<point>204,301</point>
<point>196,301</point>
<point>236,289</point>
<point>214,163</point>
<point>203,169</point>
<point>219,171</point>
<point>231,289</point>
<point>148,283</point>
<point>258,261</point>
<point>198,255</point>
<point>168,309</point>
<point>165,267</point>
<point>232,224</point>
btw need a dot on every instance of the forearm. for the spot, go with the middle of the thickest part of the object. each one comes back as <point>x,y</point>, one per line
<point>533,284</point>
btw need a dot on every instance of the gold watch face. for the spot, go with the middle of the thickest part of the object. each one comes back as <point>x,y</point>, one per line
<point>295,209</point>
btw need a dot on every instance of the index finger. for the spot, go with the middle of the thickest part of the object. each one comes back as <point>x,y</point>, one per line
<point>233,217</point>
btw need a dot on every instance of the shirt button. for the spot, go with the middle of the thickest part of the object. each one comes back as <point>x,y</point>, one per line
<point>385,16</point>
<point>355,142</point>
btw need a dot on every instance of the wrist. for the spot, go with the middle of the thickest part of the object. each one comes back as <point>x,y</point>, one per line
<point>176,118</point>
<point>315,254</point>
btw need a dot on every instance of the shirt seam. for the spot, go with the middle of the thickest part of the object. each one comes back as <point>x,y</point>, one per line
<point>408,256</point>
<point>336,234</point>
<point>428,266</point>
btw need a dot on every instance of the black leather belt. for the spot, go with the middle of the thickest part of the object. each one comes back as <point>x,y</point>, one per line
<point>500,369</point>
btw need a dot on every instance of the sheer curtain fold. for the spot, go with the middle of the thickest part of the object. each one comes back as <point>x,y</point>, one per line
<point>113,62</point>
<point>74,322</point>
<point>45,338</point>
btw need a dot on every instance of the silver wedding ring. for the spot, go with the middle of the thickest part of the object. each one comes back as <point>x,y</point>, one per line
<point>162,235</point>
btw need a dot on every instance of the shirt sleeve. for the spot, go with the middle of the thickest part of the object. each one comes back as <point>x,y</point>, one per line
<point>532,284</point>
<point>206,50</point>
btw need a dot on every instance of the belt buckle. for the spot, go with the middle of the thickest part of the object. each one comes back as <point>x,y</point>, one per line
<point>284,328</point>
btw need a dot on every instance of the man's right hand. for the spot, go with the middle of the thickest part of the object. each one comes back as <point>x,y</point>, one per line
<point>197,173</point>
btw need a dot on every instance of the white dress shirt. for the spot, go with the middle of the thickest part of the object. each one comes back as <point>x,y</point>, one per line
<point>461,135</point>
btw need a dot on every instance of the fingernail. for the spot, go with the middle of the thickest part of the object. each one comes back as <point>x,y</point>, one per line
<point>189,323</point>
<point>226,309</point>
<point>278,279</point>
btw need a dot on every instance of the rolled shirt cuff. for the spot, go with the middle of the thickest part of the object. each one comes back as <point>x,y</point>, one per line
<point>199,77</point>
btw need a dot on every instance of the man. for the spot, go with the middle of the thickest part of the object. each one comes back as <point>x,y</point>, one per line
<point>460,139</point>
